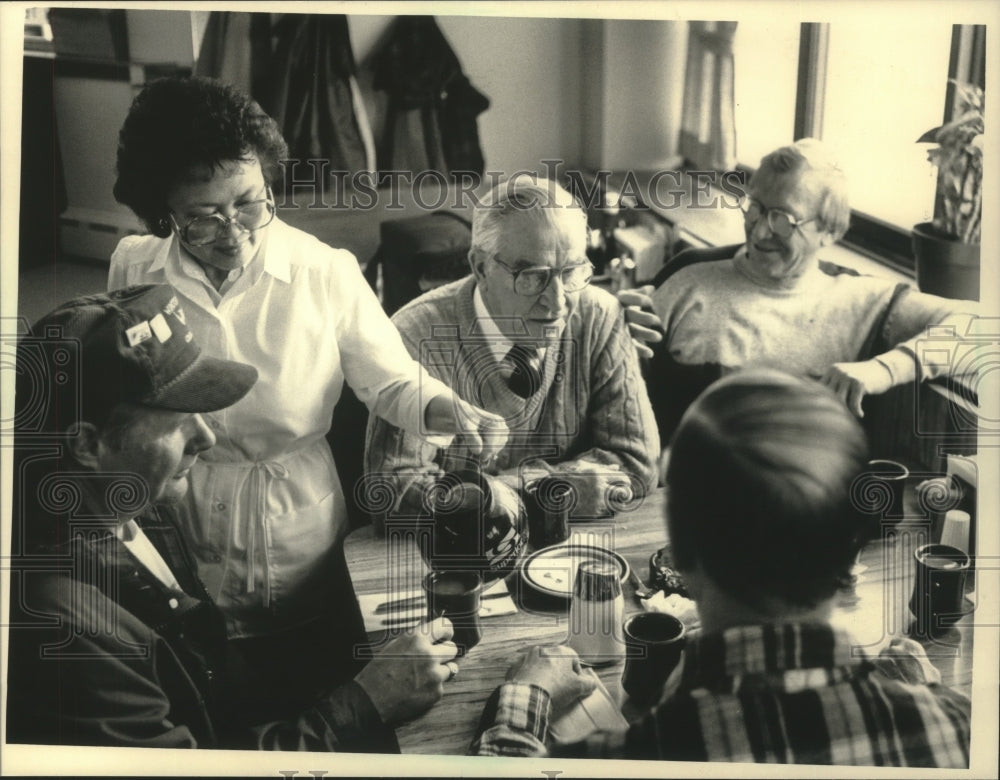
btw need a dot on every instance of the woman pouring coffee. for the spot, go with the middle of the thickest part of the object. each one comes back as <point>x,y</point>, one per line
<point>196,163</point>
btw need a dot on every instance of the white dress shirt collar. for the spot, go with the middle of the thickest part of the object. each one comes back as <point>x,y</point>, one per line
<point>274,263</point>
<point>137,543</point>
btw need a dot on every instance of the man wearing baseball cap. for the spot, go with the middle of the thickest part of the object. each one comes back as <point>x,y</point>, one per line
<point>113,638</point>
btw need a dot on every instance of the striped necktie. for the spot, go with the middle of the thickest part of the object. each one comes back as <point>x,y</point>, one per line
<point>526,379</point>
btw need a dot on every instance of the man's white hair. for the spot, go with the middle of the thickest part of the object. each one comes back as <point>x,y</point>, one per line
<point>811,154</point>
<point>541,199</point>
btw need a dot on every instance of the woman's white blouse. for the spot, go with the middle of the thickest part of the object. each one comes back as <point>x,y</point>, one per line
<point>266,504</point>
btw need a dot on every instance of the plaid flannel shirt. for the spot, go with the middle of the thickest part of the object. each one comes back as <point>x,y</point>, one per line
<point>799,694</point>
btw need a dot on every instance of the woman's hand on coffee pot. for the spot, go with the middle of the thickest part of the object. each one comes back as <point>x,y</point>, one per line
<point>480,432</point>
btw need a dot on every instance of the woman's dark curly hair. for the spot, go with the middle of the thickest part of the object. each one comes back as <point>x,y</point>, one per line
<point>176,125</point>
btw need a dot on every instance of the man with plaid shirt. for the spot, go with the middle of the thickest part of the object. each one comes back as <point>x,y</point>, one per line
<point>768,679</point>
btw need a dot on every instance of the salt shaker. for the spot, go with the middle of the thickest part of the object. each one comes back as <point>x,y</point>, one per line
<point>956,529</point>
<point>595,614</point>
<point>936,496</point>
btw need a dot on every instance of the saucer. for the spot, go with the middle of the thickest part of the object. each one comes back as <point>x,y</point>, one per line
<point>552,570</point>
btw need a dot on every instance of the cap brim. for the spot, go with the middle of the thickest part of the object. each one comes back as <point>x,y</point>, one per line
<point>207,385</point>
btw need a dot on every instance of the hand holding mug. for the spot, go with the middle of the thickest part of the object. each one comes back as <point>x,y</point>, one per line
<point>406,677</point>
<point>557,670</point>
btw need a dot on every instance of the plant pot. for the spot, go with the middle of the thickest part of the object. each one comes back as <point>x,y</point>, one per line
<point>945,267</point>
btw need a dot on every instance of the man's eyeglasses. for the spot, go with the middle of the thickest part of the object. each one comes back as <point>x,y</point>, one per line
<point>208,229</point>
<point>781,223</point>
<point>534,279</point>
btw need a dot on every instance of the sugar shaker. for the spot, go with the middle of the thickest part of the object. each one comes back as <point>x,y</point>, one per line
<point>595,615</point>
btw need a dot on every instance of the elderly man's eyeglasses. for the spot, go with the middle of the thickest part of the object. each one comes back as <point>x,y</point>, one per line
<point>781,223</point>
<point>209,229</point>
<point>534,279</point>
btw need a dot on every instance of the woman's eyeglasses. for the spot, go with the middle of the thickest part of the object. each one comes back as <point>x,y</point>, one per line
<point>781,223</point>
<point>201,231</point>
<point>534,279</point>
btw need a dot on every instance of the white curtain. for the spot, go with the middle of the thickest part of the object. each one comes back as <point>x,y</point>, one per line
<point>708,130</point>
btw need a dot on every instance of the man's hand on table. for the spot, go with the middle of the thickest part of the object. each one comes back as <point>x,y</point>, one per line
<point>557,670</point>
<point>599,487</point>
<point>906,660</point>
<point>407,676</point>
<point>644,326</point>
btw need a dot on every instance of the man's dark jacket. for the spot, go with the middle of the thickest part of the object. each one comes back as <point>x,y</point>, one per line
<point>103,653</point>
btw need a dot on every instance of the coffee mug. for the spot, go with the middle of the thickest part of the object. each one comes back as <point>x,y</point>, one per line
<point>938,600</point>
<point>893,476</point>
<point>548,502</point>
<point>456,596</point>
<point>654,642</point>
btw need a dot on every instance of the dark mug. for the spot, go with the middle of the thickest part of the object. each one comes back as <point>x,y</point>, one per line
<point>654,642</point>
<point>548,502</point>
<point>892,476</point>
<point>456,595</point>
<point>938,600</point>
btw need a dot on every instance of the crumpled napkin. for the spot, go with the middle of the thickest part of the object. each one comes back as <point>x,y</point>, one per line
<point>683,609</point>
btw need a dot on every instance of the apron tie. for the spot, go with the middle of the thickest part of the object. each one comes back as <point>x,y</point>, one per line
<point>263,472</point>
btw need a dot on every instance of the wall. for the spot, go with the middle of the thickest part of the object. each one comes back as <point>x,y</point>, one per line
<point>592,93</point>
<point>89,114</point>
<point>163,36</point>
<point>531,70</point>
<point>595,93</point>
<point>633,92</point>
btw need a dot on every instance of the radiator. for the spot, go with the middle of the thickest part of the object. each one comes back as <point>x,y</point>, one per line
<point>94,233</point>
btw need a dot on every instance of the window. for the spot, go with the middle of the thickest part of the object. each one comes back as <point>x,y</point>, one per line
<point>765,71</point>
<point>869,94</point>
<point>874,128</point>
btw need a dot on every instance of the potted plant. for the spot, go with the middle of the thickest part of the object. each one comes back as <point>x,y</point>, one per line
<point>947,249</point>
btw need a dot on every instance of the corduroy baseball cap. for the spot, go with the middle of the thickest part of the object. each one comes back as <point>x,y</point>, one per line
<point>135,347</point>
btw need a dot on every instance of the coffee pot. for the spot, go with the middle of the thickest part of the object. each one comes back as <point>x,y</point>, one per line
<point>471,532</point>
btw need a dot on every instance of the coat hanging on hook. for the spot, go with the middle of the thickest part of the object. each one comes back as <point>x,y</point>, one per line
<point>431,118</point>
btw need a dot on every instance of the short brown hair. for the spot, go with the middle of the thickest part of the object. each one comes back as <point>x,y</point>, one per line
<point>759,488</point>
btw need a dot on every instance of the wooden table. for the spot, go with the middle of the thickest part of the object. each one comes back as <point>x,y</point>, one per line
<point>393,563</point>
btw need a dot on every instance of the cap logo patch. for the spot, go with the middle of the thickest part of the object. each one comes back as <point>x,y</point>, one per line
<point>138,333</point>
<point>173,307</point>
<point>160,328</point>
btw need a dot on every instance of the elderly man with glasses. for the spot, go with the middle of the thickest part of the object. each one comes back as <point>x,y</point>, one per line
<point>772,301</point>
<point>529,339</point>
